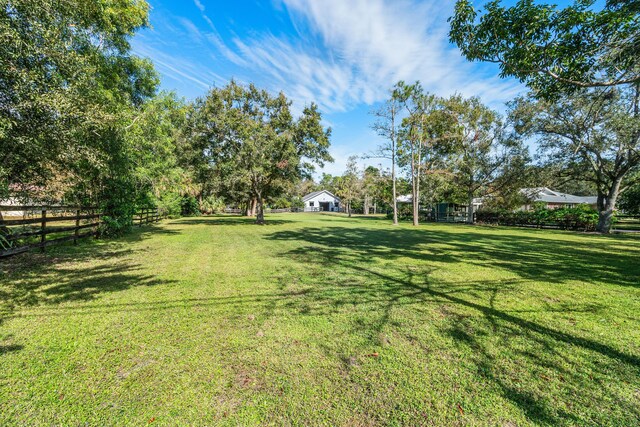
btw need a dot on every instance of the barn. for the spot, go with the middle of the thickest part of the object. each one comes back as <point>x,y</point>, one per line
<point>321,201</point>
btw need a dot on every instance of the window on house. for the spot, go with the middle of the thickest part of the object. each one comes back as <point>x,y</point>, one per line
<point>336,204</point>
<point>311,204</point>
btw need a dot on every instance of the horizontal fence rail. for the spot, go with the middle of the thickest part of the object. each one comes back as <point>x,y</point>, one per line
<point>148,215</point>
<point>626,223</point>
<point>23,228</point>
<point>26,227</point>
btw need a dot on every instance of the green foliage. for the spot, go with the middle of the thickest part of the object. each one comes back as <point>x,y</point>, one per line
<point>297,202</point>
<point>249,147</point>
<point>630,199</point>
<point>212,204</point>
<point>483,157</point>
<point>189,206</point>
<point>68,80</point>
<point>553,50</point>
<point>169,203</point>
<point>582,217</point>
<point>349,185</point>
<point>114,226</point>
<point>281,203</point>
<point>77,120</point>
<point>405,212</point>
<point>590,136</point>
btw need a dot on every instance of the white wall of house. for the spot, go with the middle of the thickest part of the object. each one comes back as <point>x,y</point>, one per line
<point>12,202</point>
<point>320,201</point>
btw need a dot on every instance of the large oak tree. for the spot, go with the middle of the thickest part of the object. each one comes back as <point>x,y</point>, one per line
<point>593,136</point>
<point>251,145</point>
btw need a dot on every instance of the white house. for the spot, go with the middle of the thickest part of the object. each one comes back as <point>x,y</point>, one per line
<point>321,201</point>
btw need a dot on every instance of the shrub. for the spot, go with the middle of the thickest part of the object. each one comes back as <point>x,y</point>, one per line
<point>582,217</point>
<point>281,203</point>
<point>212,204</point>
<point>171,204</point>
<point>114,226</point>
<point>189,206</point>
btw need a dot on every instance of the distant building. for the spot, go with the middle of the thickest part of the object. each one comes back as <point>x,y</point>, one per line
<point>554,199</point>
<point>443,211</point>
<point>18,197</point>
<point>321,201</point>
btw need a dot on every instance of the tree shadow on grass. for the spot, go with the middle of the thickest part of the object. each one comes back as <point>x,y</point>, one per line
<point>529,256</point>
<point>74,273</point>
<point>532,366</point>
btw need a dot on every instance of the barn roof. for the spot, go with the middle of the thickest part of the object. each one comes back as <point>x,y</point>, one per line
<point>316,193</point>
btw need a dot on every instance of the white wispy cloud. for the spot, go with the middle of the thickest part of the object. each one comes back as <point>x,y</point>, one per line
<point>179,69</point>
<point>366,46</point>
<point>199,5</point>
<point>347,53</point>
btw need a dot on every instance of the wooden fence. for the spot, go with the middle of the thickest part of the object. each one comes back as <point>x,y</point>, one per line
<point>23,228</point>
<point>626,223</point>
<point>148,215</point>
<point>27,227</point>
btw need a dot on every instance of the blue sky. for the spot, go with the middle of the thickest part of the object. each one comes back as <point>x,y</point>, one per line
<point>342,55</point>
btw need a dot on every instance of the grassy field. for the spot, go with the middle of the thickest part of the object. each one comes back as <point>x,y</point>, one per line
<point>323,320</point>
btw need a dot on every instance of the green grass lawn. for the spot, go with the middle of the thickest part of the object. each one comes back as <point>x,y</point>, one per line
<point>323,320</point>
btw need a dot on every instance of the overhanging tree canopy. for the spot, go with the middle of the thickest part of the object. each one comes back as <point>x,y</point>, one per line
<point>553,50</point>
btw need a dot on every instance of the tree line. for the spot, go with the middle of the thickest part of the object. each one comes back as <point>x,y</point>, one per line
<point>581,64</point>
<point>582,68</point>
<point>82,122</point>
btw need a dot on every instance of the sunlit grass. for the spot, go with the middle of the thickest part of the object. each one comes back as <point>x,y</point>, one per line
<point>321,319</point>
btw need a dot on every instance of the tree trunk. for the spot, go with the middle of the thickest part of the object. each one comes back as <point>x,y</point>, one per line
<point>254,205</point>
<point>260,215</point>
<point>349,209</point>
<point>606,207</point>
<point>393,179</point>
<point>470,210</point>
<point>366,205</point>
<point>414,192</point>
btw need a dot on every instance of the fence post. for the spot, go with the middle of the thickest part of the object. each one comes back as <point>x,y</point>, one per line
<point>96,221</point>
<point>75,232</point>
<point>43,226</point>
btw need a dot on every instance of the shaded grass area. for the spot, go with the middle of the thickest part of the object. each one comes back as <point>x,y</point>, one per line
<point>324,320</point>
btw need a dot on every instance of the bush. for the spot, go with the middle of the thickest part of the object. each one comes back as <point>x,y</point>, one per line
<point>212,204</point>
<point>171,204</point>
<point>114,226</point>
<point>281,203</point>
<point>297,203</point>
<point>189,206</point>
<point>582,217</point>
<point>405,212</point>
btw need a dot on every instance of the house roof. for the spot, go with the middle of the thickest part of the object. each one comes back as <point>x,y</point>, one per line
<point>546,195</point>
<point>317,193</point>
